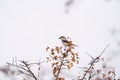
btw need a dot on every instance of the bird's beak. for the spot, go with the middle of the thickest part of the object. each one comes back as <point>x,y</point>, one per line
<point>59,37</point>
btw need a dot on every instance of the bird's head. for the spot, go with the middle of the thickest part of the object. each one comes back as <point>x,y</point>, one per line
<point>62,37</point>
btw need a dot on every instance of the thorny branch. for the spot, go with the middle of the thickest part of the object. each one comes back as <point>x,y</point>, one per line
<point>94,60</point>
<point>57,76</point>
<point>61,64</point>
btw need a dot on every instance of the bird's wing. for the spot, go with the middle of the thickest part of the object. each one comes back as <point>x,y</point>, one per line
<point>66,41</point>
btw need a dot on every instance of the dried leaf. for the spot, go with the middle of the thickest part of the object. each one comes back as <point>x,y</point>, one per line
<point>70,65</point>
<point>55,57</point>
<point>47,48</point>
<point>109,72</point>
<point>61,78</point>
<point>57,49</point>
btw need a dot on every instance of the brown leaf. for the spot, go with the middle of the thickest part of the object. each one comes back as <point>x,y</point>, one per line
<point>70,65</point>
<point>57,49</point>
<point>73,59</point>
<point>61,78</point>
<point>55,57</point>
<point>109,72</point>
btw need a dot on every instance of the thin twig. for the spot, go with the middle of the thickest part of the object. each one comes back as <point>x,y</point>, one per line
<point>18,66</point>
<point>104,50</point>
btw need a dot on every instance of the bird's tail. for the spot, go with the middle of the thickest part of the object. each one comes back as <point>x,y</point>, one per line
<point>75,45</point>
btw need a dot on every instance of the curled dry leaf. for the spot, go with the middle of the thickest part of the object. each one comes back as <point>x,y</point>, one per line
<point>52,51</point>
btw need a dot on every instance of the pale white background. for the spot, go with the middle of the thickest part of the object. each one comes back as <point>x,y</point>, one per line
<point>27,27</point>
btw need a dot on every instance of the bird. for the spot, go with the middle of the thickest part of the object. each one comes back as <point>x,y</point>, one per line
<point>66,42</point>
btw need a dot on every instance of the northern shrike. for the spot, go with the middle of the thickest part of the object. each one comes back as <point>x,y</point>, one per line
<point>66,42</point>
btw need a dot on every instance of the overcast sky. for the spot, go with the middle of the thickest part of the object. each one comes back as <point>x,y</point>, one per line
<point>27,27</point>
